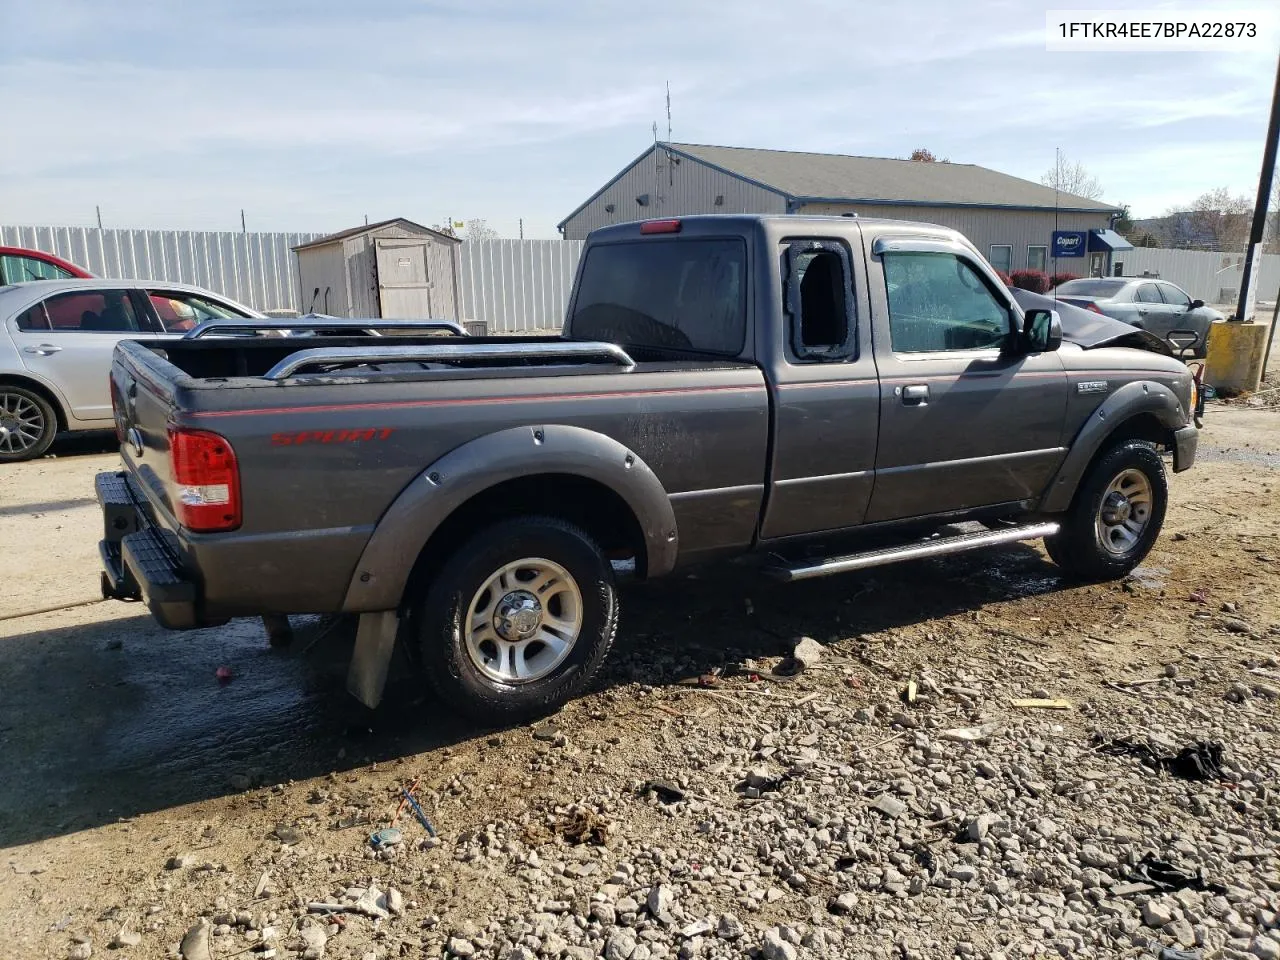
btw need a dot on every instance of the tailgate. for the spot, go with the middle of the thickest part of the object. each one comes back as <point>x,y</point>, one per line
<point>143,392</point>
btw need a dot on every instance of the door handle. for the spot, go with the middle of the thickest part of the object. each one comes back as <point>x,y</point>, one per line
<point>43,349</point>
<point>916,395</point>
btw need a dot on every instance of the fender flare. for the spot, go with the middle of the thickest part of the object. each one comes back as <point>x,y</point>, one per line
<point>379,579</point>
<point>1130,400</point>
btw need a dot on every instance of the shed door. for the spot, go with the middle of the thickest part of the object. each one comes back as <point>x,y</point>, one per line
<point>404,283</point>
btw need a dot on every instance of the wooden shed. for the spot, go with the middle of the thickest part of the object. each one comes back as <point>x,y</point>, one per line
<point>395,270</point>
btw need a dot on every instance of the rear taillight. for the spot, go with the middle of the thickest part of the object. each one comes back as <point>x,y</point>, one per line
<point>206,478</point>
<point>1093,307</point>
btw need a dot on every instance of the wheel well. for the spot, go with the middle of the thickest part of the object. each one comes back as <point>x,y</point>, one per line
<point>35,386</point>
<point>586,503</point>
<point>1142,426</point>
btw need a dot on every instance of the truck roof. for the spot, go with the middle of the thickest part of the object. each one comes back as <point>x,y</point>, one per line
<point>710,223</point>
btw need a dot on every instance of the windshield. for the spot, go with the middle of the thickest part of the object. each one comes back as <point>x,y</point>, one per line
<point>687,294</point>
<point>1100,289</point>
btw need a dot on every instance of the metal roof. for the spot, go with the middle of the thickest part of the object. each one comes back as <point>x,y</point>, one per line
<point>369,228</point>
<point>837,178</point>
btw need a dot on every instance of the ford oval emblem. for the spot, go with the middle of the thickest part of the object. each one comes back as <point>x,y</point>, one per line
<point>134,436</point>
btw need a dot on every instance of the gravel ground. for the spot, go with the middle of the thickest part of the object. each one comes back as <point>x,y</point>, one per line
<point>895,798</point>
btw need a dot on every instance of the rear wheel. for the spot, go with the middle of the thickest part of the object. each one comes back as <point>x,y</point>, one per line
<point>27,424</point>
<point>519,619</point>
<point>1116,515</point>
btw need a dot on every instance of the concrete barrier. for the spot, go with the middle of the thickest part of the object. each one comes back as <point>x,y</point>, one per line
<point>1234,361</point>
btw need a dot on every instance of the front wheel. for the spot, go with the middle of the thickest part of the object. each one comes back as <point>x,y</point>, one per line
<point>27,424</point>
<point>1116,515</point>
<point>519,619</point>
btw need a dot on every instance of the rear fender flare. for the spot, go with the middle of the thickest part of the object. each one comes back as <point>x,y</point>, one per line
<point>379,580</point>
<point>1130,400</point>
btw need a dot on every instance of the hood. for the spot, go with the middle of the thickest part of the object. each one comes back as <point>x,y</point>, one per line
<point>1092,330</point>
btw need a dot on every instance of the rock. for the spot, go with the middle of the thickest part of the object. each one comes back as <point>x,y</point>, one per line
<point>1270,691</point>
<point>699,928</point>
<point>314,939</point>
<point>843,904</point>
<point>620,945</point>
<point>1264,947</point>
<point>776,948</point>
<point>1092,856</point>
<point>964,872</point>
<point>1171,670</point>
<point>195,944</point>
<point>372,903</point>
<point>1157,913</point>
<point>287,833</point>
<point>125,939</point>
<point>729,928</point>
<point>395,902</point>
<point>520,953</point>
<point>550,733</point>
<point>180,862</point>
<point>1046,828</point>
<point>889,806</point>
<point>659,902</point>
<point>80,951</point>
<point>808,651</point>
<point>461,948</point>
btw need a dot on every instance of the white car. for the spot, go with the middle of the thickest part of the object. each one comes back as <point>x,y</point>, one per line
<point>56,341</point>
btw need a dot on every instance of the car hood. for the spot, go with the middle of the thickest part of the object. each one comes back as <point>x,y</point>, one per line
<point>1091,330</point>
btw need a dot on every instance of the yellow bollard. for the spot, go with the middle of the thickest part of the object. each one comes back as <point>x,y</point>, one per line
<point>1234,361</point>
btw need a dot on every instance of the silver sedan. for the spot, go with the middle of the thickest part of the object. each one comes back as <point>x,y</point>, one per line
<point>1154,305</point>
<point>56,342</point>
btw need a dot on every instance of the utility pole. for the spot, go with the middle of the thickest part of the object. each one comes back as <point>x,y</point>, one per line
<point>522,228</point>
<point>98,210</point>
<point>668,111</point>
<point>1253,250</point>
<point>243,228</point>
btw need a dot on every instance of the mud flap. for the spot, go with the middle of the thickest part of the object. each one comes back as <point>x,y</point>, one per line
<point>371,658</point>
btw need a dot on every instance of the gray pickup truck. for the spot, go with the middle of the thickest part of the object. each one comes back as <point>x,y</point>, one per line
<point>828,393</point>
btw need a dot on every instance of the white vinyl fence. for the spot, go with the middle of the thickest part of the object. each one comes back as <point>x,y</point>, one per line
<point>256,269</point>
<point>1211,277</point>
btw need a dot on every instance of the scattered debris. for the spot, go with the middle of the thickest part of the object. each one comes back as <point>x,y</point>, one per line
<point>665,791</point>
<point>387,837</point>
<point>978,734</point>
<point>889,806</point>
<point>1201,761</point>
<point>1041,703</point>
<point>1167,878</point>
<point>808,651</point>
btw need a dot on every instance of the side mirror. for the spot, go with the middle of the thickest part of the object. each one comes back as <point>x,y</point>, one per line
<point>1041,331</point>
<point>1197,304</point>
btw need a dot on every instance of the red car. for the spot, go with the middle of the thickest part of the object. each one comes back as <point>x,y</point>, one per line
<point>18,266</point>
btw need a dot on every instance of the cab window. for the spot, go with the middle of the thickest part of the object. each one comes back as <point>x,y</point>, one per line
<point>939,303</point>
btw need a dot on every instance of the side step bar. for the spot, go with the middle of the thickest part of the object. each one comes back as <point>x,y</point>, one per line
<point>914,551</point>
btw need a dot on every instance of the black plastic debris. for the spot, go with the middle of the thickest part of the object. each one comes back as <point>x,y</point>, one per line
<point>1167,878</point>
<point>665,791</point>
<point>1200,761</point>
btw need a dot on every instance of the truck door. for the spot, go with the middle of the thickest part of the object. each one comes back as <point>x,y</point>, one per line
<point>826,393</point>
<point>965,421</point>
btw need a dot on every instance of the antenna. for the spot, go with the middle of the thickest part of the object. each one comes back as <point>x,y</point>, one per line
<point>668,111</point>
<point>655,131</point>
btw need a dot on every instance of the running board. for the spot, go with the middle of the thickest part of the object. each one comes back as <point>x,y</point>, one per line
<point>927,548</point>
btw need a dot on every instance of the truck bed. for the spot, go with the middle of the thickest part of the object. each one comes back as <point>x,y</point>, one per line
<point>323,454</point>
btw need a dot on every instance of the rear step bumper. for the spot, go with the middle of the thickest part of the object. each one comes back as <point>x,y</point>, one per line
<point>937,547</point>
<point>137,564</point>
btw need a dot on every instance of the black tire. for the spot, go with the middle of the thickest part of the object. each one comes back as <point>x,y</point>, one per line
<point>1078,548</point>
<point>449,667</point>
<point>23,412</point>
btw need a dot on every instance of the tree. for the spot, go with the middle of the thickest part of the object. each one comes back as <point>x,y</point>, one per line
<point>925,155</point>
<point>1124,222</point>
<point>479,230</point>
<point>1073,178</point>
<point>1219,218</point>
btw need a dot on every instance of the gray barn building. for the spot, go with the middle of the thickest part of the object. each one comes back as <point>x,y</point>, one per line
<point>1009,219</point>
<point>393,269</point>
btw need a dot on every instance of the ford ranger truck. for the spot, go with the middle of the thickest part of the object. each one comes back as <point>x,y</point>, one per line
<point>830,394</point>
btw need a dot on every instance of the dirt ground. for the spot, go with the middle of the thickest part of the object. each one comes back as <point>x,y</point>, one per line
<point>122,750</point>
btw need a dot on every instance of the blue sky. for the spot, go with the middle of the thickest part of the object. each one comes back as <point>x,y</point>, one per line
<point>311,114</point>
